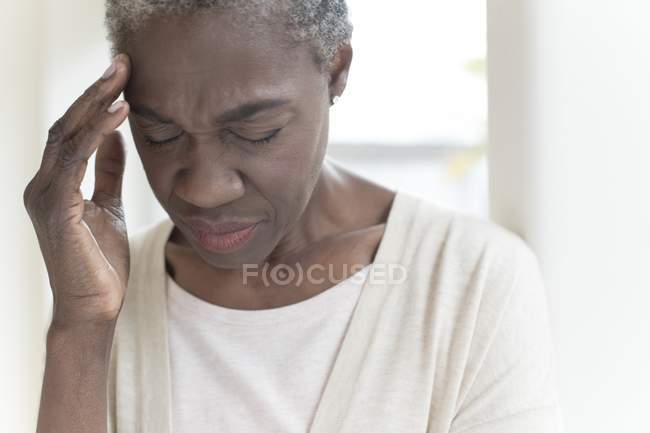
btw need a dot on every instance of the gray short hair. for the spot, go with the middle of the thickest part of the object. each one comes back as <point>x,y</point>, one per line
<point>324,24</point>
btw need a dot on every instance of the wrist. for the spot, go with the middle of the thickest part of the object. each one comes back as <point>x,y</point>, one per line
<point>89,337</point>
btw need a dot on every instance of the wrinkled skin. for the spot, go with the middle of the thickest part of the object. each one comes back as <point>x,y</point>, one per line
<point>188,71</point>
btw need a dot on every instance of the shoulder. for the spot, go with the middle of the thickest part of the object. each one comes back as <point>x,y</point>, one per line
<point>469,235</point>
<point>462,258</point>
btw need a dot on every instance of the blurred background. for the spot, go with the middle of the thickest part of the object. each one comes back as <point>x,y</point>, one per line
<point>534,114</point>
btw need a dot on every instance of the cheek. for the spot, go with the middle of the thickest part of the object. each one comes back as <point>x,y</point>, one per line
<point>159,174</point>
<point>292,163</point>
<point>287,175</point>
<point>159,168</point>
<point>161,184</point>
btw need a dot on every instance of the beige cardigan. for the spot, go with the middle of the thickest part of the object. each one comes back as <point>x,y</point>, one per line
<point>462,345</point>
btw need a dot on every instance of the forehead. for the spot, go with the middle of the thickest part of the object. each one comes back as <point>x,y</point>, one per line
<point>214,56</point>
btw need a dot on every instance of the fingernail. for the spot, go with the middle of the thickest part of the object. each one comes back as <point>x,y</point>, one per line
<point>109,71</point>
<point>116,106</point>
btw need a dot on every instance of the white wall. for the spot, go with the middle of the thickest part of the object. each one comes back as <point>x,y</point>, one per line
<point>569,90</point>
<point>412,55</point>
<point>21,308</point>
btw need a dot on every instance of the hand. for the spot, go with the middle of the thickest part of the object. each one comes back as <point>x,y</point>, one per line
<point>84,242</point>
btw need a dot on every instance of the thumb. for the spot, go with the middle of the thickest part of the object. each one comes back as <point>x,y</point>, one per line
<point>109,170</point>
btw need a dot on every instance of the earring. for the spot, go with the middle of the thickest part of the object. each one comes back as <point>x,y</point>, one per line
<point>335,99</point>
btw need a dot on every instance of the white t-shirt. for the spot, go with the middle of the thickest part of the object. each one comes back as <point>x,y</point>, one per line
<point>254,371</point>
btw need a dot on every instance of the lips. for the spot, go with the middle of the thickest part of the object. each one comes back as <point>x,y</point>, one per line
<point>218,228</point>
<point>221,235</point>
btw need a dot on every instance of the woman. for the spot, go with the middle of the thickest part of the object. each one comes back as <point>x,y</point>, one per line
<point>283,293</point>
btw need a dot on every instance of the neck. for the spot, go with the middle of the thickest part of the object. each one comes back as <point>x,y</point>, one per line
<point>321,217</point>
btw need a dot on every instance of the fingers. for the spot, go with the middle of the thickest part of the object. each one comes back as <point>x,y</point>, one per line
<point>98,96</point>
<point>53,195</point>
<point>109,170</point>
<point>93,102</point>
<point>73,156</point>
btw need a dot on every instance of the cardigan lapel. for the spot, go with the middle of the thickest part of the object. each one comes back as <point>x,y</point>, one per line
<point>139,387</point>
<point>154,391</point>
<point>341,384</point>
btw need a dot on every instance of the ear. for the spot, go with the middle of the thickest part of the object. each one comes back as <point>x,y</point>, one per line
<point>339,68</point>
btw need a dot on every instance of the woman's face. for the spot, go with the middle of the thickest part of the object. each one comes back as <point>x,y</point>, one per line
<point>229,125</point>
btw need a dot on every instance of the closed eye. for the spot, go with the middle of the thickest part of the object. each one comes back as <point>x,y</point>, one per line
<point>154,143</point>
<point>158,143</point>
<point>264,140</point>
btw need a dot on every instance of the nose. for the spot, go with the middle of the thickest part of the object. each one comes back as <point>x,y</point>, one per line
<point>209,182</point>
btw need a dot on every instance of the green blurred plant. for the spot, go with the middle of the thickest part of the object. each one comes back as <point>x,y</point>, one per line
<point>477,67</point>
<point>467,159</point>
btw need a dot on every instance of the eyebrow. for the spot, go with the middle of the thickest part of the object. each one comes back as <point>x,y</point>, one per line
<point>241,112</point>
<point>148,113</point>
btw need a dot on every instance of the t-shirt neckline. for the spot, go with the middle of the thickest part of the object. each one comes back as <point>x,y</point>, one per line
<point>338,297</point>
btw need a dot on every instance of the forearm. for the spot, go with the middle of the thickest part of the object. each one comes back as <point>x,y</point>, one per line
<point>73,398</point>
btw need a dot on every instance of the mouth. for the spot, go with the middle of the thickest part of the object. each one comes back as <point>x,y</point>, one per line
<point>223,236</point>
